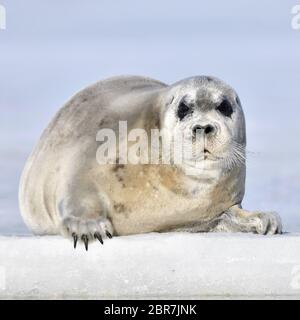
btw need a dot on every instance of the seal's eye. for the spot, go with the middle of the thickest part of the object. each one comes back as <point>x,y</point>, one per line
<point>225,108</point>
<point>183,110</point>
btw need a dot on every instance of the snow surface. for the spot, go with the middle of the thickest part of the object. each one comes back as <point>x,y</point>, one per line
<point>171,265</point>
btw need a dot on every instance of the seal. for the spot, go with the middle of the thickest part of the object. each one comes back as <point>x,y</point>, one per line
<point>64,190</point>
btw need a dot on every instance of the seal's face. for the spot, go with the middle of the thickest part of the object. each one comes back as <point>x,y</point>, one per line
<point>207,114</point>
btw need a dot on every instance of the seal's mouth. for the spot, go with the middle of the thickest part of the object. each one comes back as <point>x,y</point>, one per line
<point>206,153</point>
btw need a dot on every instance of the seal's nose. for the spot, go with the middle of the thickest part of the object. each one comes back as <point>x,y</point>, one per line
<point>207,129</point>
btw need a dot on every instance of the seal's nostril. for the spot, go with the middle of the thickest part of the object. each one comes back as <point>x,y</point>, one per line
<point>208,129</point>
<point>195,128</point>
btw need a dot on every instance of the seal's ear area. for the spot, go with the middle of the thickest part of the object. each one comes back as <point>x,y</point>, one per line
<point>170,100</point>
<point>225,108</point>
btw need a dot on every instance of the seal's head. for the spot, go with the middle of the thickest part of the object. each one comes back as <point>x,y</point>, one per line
<point>207,114</point>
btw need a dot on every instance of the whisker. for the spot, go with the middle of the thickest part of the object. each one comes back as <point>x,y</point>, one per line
<point>236,157</point>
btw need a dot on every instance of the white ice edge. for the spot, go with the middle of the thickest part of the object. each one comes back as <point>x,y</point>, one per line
<point>171,265</point>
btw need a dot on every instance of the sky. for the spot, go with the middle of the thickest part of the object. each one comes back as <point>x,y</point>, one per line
<point>52,49</point>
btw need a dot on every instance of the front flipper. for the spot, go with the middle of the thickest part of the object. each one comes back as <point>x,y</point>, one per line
<point>236,219</point>
<point>87,230</point>
<point>83,211</point>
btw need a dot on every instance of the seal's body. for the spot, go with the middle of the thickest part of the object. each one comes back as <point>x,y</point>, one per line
<point>64,190</point>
